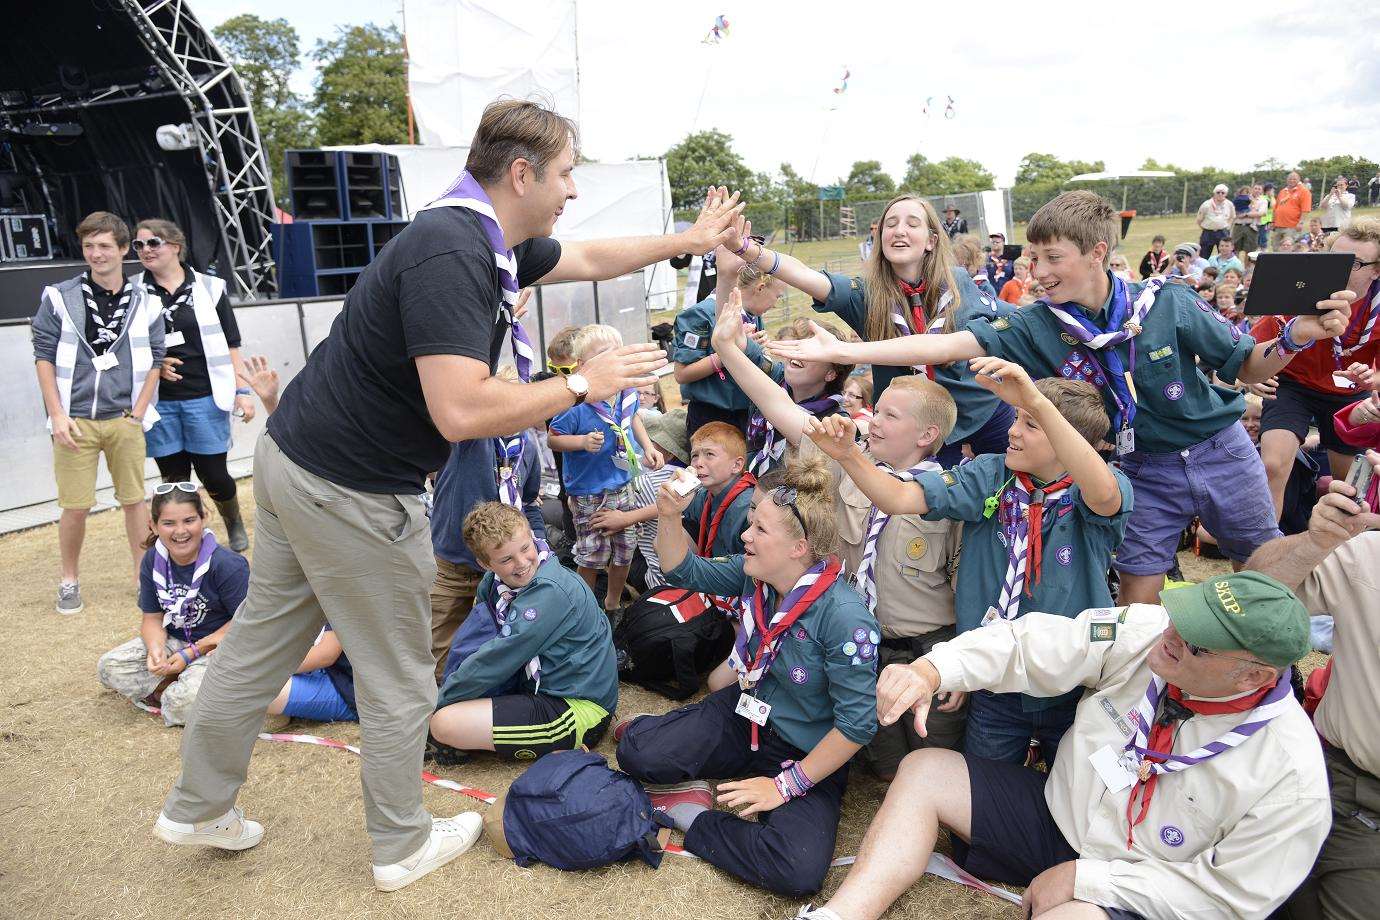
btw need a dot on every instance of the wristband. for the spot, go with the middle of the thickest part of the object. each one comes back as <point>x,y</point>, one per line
<point>182,653</point>
<point>1287,347</point>
<point>792,782</point>
<point>775,263</point>
<point>747,240</point>
<point>718,366</point>
<point>243,391</point>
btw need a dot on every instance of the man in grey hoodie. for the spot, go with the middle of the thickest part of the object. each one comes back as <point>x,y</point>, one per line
<point>97,347</point>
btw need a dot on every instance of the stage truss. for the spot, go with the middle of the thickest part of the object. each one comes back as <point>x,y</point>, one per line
<point>237,170</point>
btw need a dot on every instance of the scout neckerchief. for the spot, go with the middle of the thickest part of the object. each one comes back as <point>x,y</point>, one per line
<point>1360,328</point>
<point>709,524</point>
<point>753,618</point>
<point>173,602</point>
<point>1124,323</point>
<point>1148,753</point>
<point>107,327</point>
<point>1157,261</point>
<point>915,299</point>
<point>466,192</point>
<point>507,454</point>
<point>1020,514</point>
<point>618,413</point>
<point>773,445</point>
<point>499,609</point>
<point>865,580</point>
<point>180,298</point>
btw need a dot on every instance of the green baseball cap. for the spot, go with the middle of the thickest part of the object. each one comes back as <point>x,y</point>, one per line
<point>1245,610</point>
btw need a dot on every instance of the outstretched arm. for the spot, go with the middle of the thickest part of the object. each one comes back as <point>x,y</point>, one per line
<point>789,269</point>
<point>906,351</point>
<point>729,340</point>
<point>833,434</point>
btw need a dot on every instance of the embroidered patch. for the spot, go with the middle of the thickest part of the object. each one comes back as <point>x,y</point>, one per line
<point>691,340</point>
<point>1001,537</point>
<point>949,478</point>
<point>1171,835</point>
<point>1174,390</point>
<point>1159,353</point>
<point>529,614</point>
<point>799,675</point>
<point>1001,323</point>
<point>1115,716</point>
<point>873,637</point>
<point>867,651</point>
<point>917,548</point>
<point>859,635</point>
<point>1068,339</point>
<point>1102,632</point>
<point>525,754</point>
<point>1064,554</point>
<point>801,634</point>
<point>850,648</point>
<point>855,284</point>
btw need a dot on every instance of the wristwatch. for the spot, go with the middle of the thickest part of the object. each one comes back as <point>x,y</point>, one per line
<point>578,387</point>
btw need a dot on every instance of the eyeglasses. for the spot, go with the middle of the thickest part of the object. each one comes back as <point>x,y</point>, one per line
<point>1198,650</point>
<point>1357,264</point>
<point>163,488</point>
<point>152,243</point>
<point>784,497</point>
<point>565,370</point>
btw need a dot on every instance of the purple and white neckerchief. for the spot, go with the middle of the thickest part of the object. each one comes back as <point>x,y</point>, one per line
<point>1133,755</point>
<point>175,603</point>
<point>750,672</point>
<point>773,445</point>
<point>1013,517</point>
<point>466,192</point>
<point>865,580</point>
<point>1123,325</point>
<point>508,454</point>
<point>499,610</point>
<point>618,413</point>
<point>1367,327</point>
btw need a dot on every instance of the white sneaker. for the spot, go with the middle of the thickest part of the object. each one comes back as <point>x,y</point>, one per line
<point>231,831</point>
<point>449,838</point>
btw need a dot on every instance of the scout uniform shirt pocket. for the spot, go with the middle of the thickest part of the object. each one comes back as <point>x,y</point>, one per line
<point>1159,378</point>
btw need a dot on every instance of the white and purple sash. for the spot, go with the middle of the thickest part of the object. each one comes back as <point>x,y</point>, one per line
<point>1339,354</point>
<point>1014,518</point>
<point>174,604</point>
<point>750,673</point>
<point>1133,756</point>
<point>499,609</point>
<point>865,580</point>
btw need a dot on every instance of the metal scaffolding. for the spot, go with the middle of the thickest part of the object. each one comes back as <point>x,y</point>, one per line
<point>237,170</point>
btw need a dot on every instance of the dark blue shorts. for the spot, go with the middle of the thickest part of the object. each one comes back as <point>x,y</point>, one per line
<point>1014,837</point>
<point>313,696</point>
<point>991,438</point>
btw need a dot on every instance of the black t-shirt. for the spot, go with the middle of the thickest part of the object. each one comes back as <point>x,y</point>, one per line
<point>196,380</point>
<point>106,313</point>
<point>356,415</point>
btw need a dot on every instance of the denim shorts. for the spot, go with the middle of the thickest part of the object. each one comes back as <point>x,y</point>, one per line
<point>1220,480</point>
<point>313,696</point>
<point>197,426</point>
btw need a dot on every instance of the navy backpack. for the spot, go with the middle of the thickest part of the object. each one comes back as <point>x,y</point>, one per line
<point>570,811</point>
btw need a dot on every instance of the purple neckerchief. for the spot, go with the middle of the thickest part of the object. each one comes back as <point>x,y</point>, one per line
<point>1370,314</point>
<point>499,609</point>
<point>774,447</point>
<point>508,454</point>
<point>865,581</point>
<point>1133,755</point>
<point>162,574</point>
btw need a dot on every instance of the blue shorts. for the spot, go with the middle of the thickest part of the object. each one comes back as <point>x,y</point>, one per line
<point>313,696</point>
<point>1013,835</point>
<point>197,426</point>
<point>1220,480</point>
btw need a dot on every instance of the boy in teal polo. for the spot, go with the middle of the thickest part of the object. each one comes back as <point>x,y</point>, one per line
<point>710,395</point>
<point>717,514</point>
<point>1040,524</point>
<point>1178,436</point>
<point>552,659</point>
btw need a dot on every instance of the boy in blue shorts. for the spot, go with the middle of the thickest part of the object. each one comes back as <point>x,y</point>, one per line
<point>552,659</point>
<point>1149,349</point>
<point>1040,524</point>
<point>607,446</point>
<point>323,689</point>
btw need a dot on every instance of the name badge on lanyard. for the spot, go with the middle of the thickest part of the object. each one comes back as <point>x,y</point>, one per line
<point>1112,768</point>
<point>106,361</point>
<point>1125,441</point>
<point>174,339</point>
<point>752,709</point>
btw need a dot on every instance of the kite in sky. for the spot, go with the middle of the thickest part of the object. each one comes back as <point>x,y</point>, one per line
<point>718,33</point>
<point>949,110</point>
<point>843,83</point>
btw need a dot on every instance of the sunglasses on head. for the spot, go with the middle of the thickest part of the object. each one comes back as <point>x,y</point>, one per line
<point>565,370</point>
<point>163,488</point>
<point>784,497</point>
<point>151,243</point>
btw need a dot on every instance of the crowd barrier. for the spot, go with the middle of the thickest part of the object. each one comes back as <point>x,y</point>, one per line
<point>285,331</point>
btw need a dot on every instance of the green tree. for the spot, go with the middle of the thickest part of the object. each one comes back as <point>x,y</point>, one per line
<point>949,176</point>
<point>361,90</point>
<point>1041,167</point>
<point>265,53</point>
<point>703,159</point>
<point>1332,167</point>
<point>866,181</point>
<point>1153,165</point>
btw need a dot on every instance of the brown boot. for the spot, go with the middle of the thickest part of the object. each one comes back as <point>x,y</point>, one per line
<point>235,533</point>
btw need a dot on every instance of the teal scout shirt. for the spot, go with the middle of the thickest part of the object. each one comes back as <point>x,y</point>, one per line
<point>1177,406</point>
<point>1077,545</point>
<point>825,672</point>
<point>555,618</point>
<point>694,326</point>
<point>848,301</point>
<point>729,540</point>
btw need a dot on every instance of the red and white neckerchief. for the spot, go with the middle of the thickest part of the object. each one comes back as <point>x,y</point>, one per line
<point>916,324</point>
<point>1362,326</point>
<point>1020,513</point>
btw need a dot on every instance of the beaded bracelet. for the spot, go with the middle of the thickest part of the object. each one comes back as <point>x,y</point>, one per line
<point>1286,343</point>
<point>792,782</point>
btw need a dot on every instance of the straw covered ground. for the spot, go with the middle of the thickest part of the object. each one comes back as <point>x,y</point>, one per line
<point>82,775</point>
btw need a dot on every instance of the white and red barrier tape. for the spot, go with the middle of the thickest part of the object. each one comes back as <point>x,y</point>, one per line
<point>939,865</point>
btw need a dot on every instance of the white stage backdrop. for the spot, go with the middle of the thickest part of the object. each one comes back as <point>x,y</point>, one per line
<point>463,54</point>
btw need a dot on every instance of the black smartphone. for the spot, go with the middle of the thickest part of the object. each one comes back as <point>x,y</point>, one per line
<point>1292,283</point>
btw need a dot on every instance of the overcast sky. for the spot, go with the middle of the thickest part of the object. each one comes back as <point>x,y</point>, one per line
<point>1223,84</point>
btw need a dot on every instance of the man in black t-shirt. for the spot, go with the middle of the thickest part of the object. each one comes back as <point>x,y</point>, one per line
<point>341,533</point>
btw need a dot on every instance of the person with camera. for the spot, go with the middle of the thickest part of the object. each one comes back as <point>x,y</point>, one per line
<point>1335,568</point>
<point>1337,206</point>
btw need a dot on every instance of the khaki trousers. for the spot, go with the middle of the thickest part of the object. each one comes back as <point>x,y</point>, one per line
<point>363,562</point>
<point>452,596</point>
